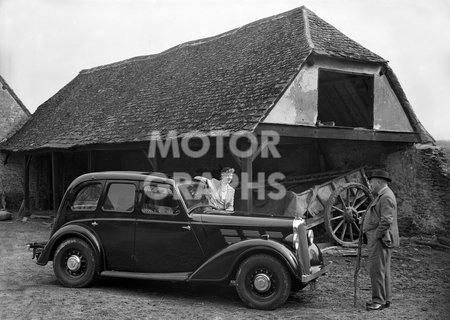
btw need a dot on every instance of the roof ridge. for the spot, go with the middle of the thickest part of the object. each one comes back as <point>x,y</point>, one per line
<point>307,27</point>
<point>117,63</point>
<point>193,42</point>
<point>311,17</point>
<point>233,31</point>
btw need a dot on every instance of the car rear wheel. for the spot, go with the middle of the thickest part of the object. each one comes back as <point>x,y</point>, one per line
<point>262,282</point>
<point>74,263</point>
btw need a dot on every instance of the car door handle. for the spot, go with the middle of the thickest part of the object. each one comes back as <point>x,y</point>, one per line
<point>187,227</point>
<point>94,223</point>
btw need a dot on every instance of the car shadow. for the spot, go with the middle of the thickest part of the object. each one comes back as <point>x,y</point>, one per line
<point>226,295</point>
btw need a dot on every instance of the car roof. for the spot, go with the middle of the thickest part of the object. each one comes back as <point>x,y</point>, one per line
<point>122,175</point>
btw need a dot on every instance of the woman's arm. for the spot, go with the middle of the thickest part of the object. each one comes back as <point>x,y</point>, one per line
<point>230,204</point>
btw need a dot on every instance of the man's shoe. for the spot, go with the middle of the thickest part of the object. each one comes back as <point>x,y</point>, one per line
<point>374,306</point>
<point>387,304</point>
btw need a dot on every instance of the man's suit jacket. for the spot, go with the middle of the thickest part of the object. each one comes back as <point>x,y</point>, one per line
<point>381,218</point>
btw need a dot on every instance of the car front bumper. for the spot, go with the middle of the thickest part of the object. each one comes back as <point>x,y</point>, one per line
<point>316,271</point>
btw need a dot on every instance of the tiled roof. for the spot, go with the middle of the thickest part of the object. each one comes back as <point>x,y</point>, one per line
<point>329,41</point>
<point>225,83</point>
<point>5,86</point>
<point>11,117</point>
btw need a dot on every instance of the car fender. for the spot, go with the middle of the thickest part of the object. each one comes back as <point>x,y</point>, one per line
<point>70,231</point>
<point>224,264</point>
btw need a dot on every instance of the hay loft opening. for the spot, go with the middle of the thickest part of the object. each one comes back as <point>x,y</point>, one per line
<point>345,99</point>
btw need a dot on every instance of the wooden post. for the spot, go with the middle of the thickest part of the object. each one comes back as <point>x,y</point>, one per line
<point>63,180</point>
<point>322,159</point>
<point>26,186</point>
<point>153,161</point>
<point>246,183</point>
<point>54,181</point>
<point>38,162</point>
<point>246,165</point>
<point>91,161</point>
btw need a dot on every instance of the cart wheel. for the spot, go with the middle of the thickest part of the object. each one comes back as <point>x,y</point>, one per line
<point>343,211</point>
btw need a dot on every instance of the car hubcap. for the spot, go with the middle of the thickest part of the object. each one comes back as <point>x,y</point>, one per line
<point>262,282</point>
<point>74,263</point>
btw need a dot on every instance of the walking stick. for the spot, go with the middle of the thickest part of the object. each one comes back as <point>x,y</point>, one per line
<point>358,261</point>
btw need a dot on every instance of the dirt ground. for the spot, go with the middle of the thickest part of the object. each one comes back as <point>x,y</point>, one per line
<point>28,291</point>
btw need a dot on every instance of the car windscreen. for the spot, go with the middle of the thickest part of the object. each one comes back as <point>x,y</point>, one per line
<point>193,193</point>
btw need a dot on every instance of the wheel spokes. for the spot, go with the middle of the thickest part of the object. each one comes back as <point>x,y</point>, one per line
<point>355,198</point>
<point>364,199</point>
<point>338,226</point>
<point>350,202</point>
<point>343,233</point>
<point>336,217</point>
<point>342,200</point>
<point>356,226</point>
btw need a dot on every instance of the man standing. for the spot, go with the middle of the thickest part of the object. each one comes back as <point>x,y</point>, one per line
<point>381,230</point>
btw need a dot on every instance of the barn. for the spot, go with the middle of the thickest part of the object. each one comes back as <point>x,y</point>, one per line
<point>330,105</point>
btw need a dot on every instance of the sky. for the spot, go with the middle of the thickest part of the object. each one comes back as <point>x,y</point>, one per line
<point>44,44</point>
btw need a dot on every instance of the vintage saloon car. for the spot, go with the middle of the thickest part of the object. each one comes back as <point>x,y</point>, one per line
<point>146,226</point>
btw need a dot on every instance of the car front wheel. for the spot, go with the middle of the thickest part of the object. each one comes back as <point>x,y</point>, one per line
<point>74,263</point>
<point>262,282</point>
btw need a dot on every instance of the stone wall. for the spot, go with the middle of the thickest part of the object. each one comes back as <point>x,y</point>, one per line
<point>433,186</point>
<point>422,186</point>
<point>11,180</point>
<point>12,117</point>
<point>420,177</point>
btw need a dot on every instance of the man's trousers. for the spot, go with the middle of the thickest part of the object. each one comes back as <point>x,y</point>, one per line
<point>379,268</point>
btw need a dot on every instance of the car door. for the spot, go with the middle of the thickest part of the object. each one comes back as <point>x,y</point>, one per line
<point>165,241</point>
<point>115,224</point>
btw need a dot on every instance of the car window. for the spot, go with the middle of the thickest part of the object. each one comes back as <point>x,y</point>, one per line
<point>194,193</point>
<point>120,197</point>
<point>159,199</point>
<point>87,197</point>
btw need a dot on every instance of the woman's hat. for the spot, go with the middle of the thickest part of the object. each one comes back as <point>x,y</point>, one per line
<point>380,174</point>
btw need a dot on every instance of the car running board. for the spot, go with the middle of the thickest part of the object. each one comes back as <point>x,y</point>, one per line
<point>179,276</point>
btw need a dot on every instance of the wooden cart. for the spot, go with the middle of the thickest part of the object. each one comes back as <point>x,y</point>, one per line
<point>338,203</point>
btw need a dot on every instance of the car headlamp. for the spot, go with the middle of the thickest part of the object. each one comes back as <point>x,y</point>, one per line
<point>310,236</point>
<point>296,236</point>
